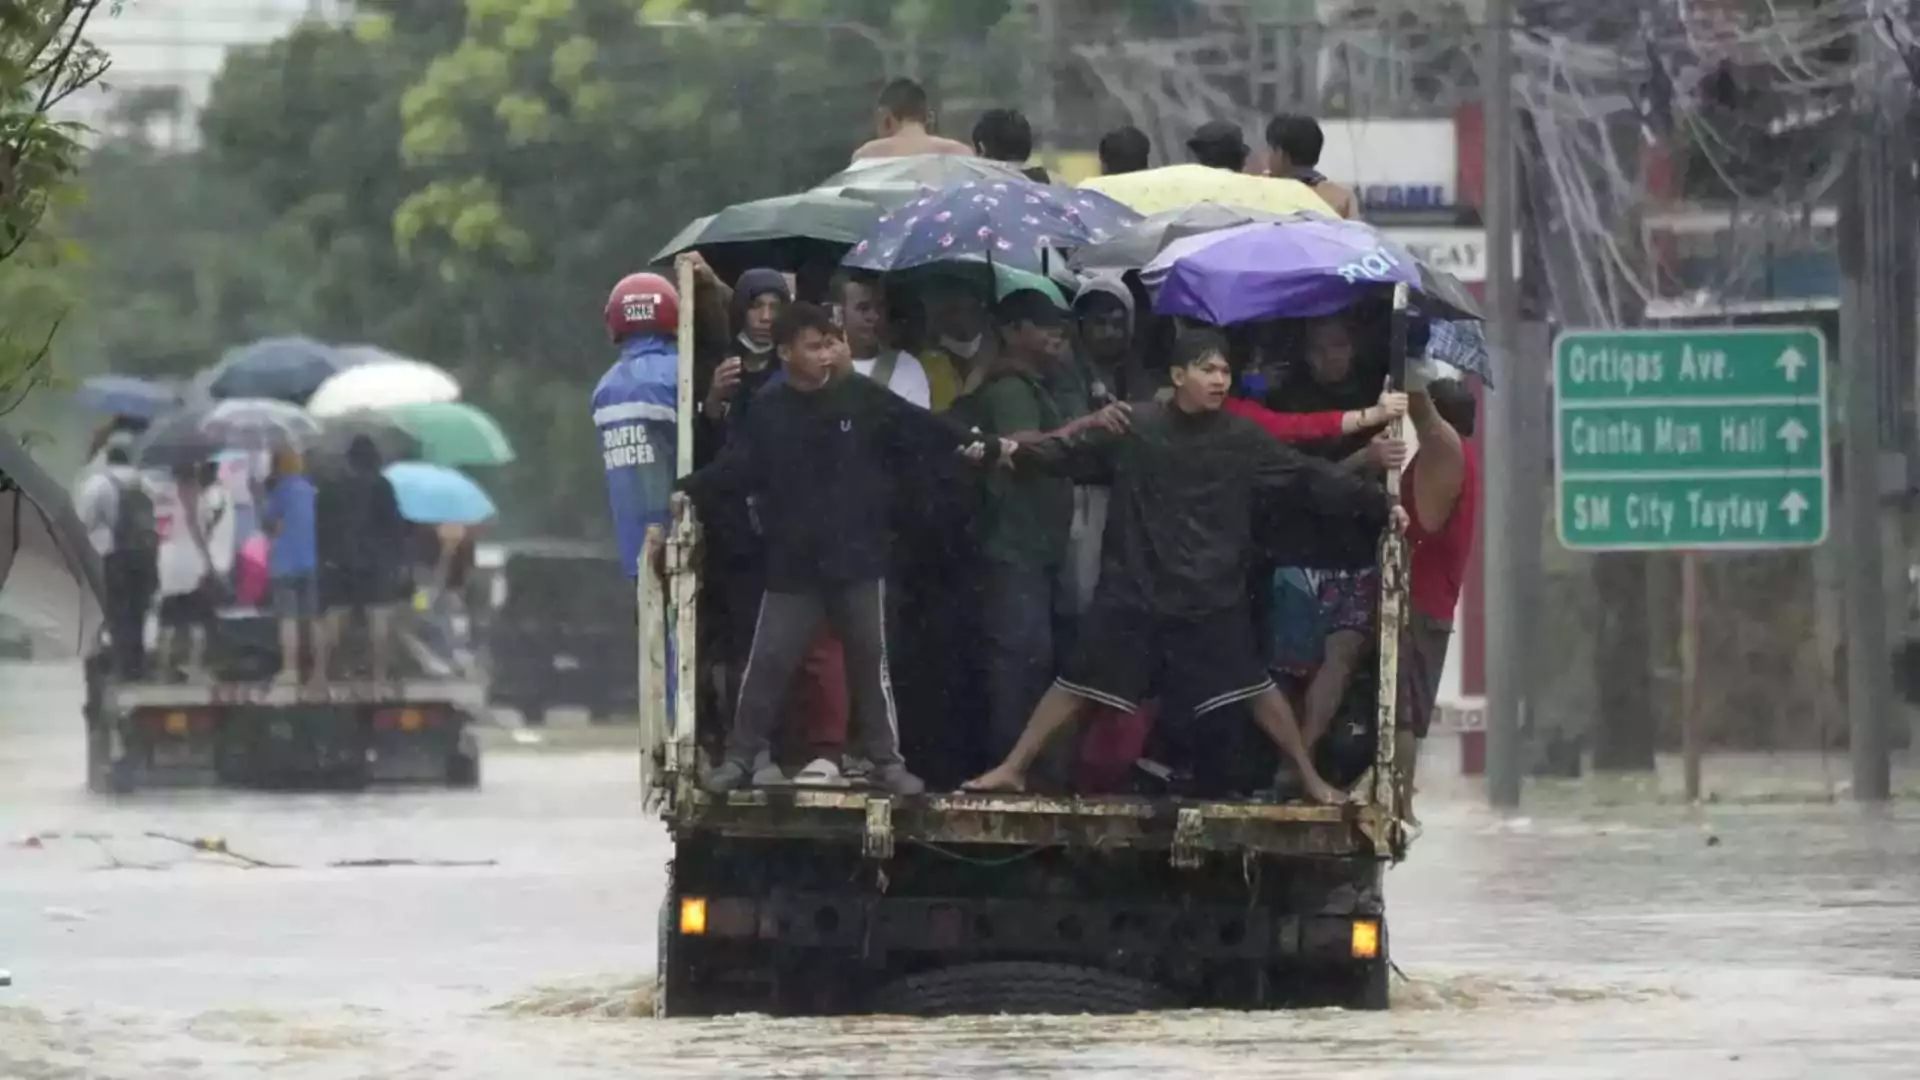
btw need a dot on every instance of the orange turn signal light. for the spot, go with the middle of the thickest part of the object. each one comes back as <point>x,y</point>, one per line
<point>693,916</point>
<point>1366,939</point>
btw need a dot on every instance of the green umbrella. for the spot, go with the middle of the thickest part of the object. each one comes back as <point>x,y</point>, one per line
<point>1007,280</point>
<point>783,231</point>
<point>454,433</point>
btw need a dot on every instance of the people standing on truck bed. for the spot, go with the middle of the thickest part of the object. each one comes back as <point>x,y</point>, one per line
<point>817,452</point>
<point>195,559</point>
<point>293,562</point>
<point>1026,520</point>
<point>363,565</point>
<point>863,316</point>
<point>1220,144</point>
<point>819,704</point>
<point>903,126</point>
<point>1440,490</point>
<point>1125,149</point>
<point>1347,600</point>
<point>1005,135</point>
<point>961,343</point>
<point>115,503</point>
<point>1295,143</point>
<point>1171,605</point>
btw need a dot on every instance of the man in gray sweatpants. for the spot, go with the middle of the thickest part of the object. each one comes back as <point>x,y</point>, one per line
<point>816,454</point>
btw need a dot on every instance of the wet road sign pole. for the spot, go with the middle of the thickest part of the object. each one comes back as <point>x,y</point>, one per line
<point>1501,526</point>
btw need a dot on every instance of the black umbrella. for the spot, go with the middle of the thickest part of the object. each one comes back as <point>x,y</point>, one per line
<point>328,453</point>
<point>282,368</point>
<point>50,578</point>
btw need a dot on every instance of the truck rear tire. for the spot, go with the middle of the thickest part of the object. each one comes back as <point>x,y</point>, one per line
<point>1020,989</point>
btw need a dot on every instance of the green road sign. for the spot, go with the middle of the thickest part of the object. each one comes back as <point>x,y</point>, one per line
<point>1673,439</point>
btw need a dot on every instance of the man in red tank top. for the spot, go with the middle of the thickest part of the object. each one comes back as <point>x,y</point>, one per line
<point>1440,490</point>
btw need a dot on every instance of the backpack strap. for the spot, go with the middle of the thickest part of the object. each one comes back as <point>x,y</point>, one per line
<point>883,367</point>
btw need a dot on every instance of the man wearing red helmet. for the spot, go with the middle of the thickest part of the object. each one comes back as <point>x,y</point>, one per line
<point>635,407</point>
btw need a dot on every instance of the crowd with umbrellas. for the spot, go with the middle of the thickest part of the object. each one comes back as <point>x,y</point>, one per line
<point>1188,254</point>
<point>296,405</point>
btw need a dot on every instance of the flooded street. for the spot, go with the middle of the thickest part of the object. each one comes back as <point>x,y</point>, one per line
<point>1653,941</point>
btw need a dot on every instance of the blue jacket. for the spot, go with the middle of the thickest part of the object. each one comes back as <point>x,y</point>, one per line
<point>634,409</point>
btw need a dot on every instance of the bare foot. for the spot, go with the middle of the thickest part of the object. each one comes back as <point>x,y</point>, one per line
<point>1326,794</point>
<point>1000,779</point>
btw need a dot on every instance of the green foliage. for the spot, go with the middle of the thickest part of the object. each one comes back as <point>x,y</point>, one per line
<point>462,181</point>
<point>45,57</point>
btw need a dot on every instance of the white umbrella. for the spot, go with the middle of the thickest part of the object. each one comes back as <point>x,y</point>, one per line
<point>383,385</point>
<point>50,578</point>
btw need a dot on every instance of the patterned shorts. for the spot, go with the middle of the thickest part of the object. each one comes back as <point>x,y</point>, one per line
<point>1310,606</point>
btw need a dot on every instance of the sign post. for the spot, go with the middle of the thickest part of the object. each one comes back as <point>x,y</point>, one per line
<point>1691,440</point>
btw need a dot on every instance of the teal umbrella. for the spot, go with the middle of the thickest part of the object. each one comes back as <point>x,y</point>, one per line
<point>782,232</point>
<point>977,273</point>
<point>453,433</point>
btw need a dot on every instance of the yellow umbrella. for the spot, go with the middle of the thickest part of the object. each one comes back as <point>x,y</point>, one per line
<point>1173,187</point>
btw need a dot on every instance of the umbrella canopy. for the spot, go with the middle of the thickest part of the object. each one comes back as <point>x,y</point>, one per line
<point>1136,245</point>
<point>1298,267</point>
<point>1155,191</point>
<point>1461,343</point>
<point>916,171</point>
<point>1000,280</point>
<point>784,232</point>
<point>50,578</point>
<point>329,452</point>
<point>454,433</point>
<point>198,432</point>
<point>383,385</point>
<point>284,369</point>
<point>432,494</point>
<point>125,395</point>
<point>1010,222</point>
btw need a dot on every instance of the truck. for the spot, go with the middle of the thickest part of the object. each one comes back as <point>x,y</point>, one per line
<point>242,728</point>
<point>799,902</point>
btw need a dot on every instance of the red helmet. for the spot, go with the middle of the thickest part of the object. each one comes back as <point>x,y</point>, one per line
<point>642,304</point>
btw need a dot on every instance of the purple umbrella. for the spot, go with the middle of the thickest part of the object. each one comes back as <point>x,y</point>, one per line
<point>1300,267</point>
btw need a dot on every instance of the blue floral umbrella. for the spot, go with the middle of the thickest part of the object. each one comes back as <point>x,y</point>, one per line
<point>1015,223</point>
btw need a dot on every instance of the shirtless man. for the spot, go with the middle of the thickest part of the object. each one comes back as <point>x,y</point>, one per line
<point>900,122</point>
<point>1296,142</point>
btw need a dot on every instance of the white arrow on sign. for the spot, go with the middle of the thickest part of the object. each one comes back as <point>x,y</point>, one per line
<point>1792,434</point>
<point>1795,505</point>
<point>1790,363</point>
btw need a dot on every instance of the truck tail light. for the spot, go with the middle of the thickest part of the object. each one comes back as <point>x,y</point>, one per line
<point>693,915</point>
<point>403,719</point>
<point>176,723</point>
<point>1366,939</point>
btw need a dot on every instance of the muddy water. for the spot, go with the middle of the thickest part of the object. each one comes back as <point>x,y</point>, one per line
<point>1582,941</point>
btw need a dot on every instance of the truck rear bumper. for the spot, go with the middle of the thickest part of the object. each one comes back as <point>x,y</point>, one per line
<point>1182,828</point>
<point>186,741</point>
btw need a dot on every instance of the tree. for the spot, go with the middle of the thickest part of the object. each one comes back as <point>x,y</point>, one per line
<point>44,58</point>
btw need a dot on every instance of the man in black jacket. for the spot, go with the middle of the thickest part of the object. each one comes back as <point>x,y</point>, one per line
<point>816,453</point>
<point>1171,605</point>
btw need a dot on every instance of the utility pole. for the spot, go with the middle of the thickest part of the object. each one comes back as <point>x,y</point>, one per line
<point>1877,337</point>
<point>1502,528</point>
